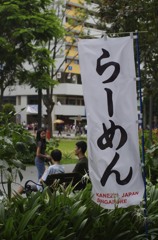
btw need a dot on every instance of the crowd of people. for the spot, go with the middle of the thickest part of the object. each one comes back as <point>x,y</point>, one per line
<point>55,160</point>
<point>77,129</point>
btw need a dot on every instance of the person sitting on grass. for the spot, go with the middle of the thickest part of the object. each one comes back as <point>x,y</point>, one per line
<point>55,168</point>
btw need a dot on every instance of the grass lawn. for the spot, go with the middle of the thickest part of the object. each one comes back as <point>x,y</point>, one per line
<point>67,146</point>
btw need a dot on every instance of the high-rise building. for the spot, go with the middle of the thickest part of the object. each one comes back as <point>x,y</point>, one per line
<point>68,95</point>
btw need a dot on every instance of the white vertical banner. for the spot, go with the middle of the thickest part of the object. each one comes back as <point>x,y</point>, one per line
<point>109,87</point>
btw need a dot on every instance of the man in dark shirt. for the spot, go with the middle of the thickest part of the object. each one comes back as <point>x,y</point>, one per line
<point>82,165</point>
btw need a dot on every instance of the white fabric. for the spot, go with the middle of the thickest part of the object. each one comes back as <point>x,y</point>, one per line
<point>110,193</point>
<point>32,109</point>
<point>53,169</point>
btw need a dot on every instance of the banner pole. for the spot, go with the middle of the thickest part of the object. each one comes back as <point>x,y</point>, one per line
<point>142,131</point>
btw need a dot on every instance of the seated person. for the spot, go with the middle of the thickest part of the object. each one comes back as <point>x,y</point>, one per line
<point>82,166</point>
<point>55,168</point>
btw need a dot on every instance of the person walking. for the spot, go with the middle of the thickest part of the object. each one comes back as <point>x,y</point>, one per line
<point>41,155</point>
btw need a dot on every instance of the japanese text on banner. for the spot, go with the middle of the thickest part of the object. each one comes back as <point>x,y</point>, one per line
<point>107,73</point>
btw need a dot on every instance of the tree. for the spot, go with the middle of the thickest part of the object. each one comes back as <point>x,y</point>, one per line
<point>37,39</point>
<point>26,27</point>
<point>56,47</point>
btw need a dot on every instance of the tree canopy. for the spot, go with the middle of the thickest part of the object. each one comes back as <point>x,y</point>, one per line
<point>26,26</point>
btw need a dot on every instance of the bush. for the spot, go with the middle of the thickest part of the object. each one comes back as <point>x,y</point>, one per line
<point>15,149</point>
<point>151,162</point>
<point>62,214</point>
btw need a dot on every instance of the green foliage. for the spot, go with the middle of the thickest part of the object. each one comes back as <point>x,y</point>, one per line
<point>150,155</point>
<point>52,144</point>
<point>74,216</point>
<point>61,214</point>
<point>151,162</point>
<point>26,29</point>
<point>66,146</point>
<point>68,157</point>
<point>121,18</point>
<point>8,108</point>
<point>16,145</point>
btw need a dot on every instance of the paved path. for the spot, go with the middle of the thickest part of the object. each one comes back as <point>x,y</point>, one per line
<point>31,174</point>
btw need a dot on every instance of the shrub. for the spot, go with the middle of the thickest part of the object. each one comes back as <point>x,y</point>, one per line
<point>52,144</point>
<point>151,162</point>
<point>15,145</point>
<point>61,214</point>
<point>9,108</point>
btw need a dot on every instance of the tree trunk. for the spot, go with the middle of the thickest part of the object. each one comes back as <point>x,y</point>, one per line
<point>144,116</point>
<point>49,119</point>
<point>39,108</point>
<point>1,98</point>
<point>150,117</point>
<point>49,103</point>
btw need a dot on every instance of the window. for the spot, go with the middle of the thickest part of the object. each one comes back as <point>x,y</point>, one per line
<point>68,60</point>
<point>9,99</point>
<point>71,101</point>
<point>78,101</point>
<point>79,79</point>
<point>69,78</point>
<point>76,61</point>
<point>61,100</point>
<point>32,100</point>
